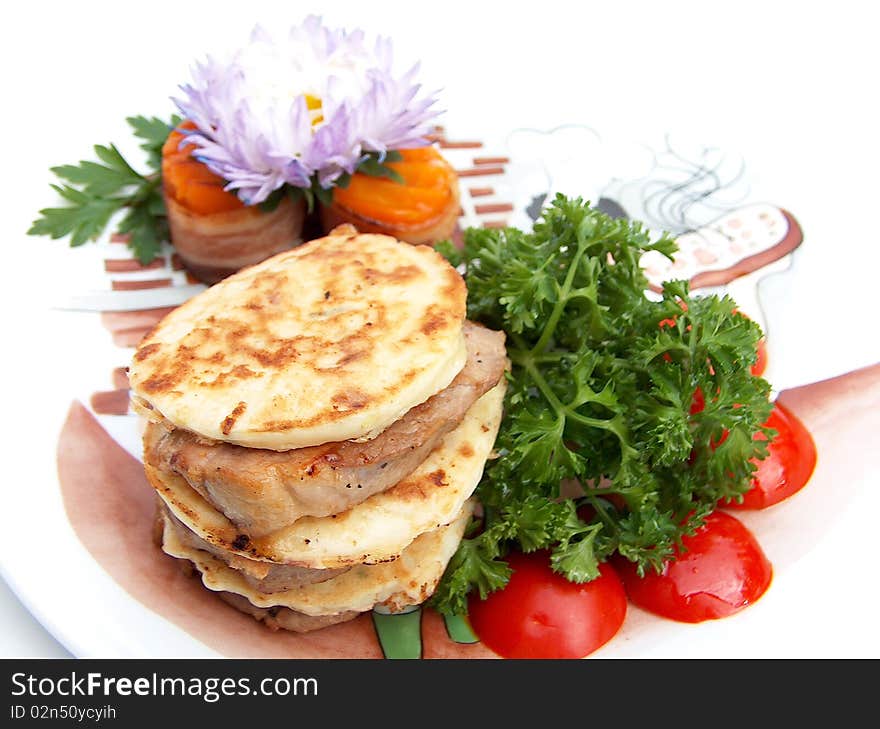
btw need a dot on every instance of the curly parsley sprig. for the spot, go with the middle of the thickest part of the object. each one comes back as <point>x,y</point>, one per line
<point>600,395</point>
<point>96,191</point>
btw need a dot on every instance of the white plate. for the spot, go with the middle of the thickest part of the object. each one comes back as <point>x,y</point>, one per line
<point>65,355</point>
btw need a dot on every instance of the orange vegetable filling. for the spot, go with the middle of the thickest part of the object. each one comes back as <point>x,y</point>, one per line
<point>190,183</point>
<point>426,194</point>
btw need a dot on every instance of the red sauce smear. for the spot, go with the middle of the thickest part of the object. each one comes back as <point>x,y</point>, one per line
<point>788,465</point>
<point>540,614</point>
<point>721,570</point>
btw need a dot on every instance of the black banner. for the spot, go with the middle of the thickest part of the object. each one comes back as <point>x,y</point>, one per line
<point>220,692</point>
<point>232,692</point>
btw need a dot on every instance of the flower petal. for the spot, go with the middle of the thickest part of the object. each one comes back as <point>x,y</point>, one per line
<point>255,128</point>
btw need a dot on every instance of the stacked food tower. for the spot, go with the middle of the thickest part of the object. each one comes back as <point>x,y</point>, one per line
<point>316,425</point>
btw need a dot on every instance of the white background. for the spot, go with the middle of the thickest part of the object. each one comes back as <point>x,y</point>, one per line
<point>790,86</point>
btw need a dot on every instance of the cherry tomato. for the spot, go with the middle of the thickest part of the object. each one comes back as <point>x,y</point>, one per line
<point>788,465</point>
<point>722,571</point>
<point>757,369</point>
<point>760,366</point>
<point>699,401</point>
<point>698,404</point>
<point>540,614</point>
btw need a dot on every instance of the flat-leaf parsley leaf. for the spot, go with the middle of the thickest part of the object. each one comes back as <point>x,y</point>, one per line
<point>95,191</point>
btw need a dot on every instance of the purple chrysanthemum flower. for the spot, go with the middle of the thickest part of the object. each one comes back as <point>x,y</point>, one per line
<point>309,107</point>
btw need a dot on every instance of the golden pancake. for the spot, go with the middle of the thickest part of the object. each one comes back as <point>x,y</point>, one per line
<point>261,491</point>
<point>332,341</point>
<point>377,529</point>
<point>261,576</point>
<point>394,585</point>
<point>281,618</point>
